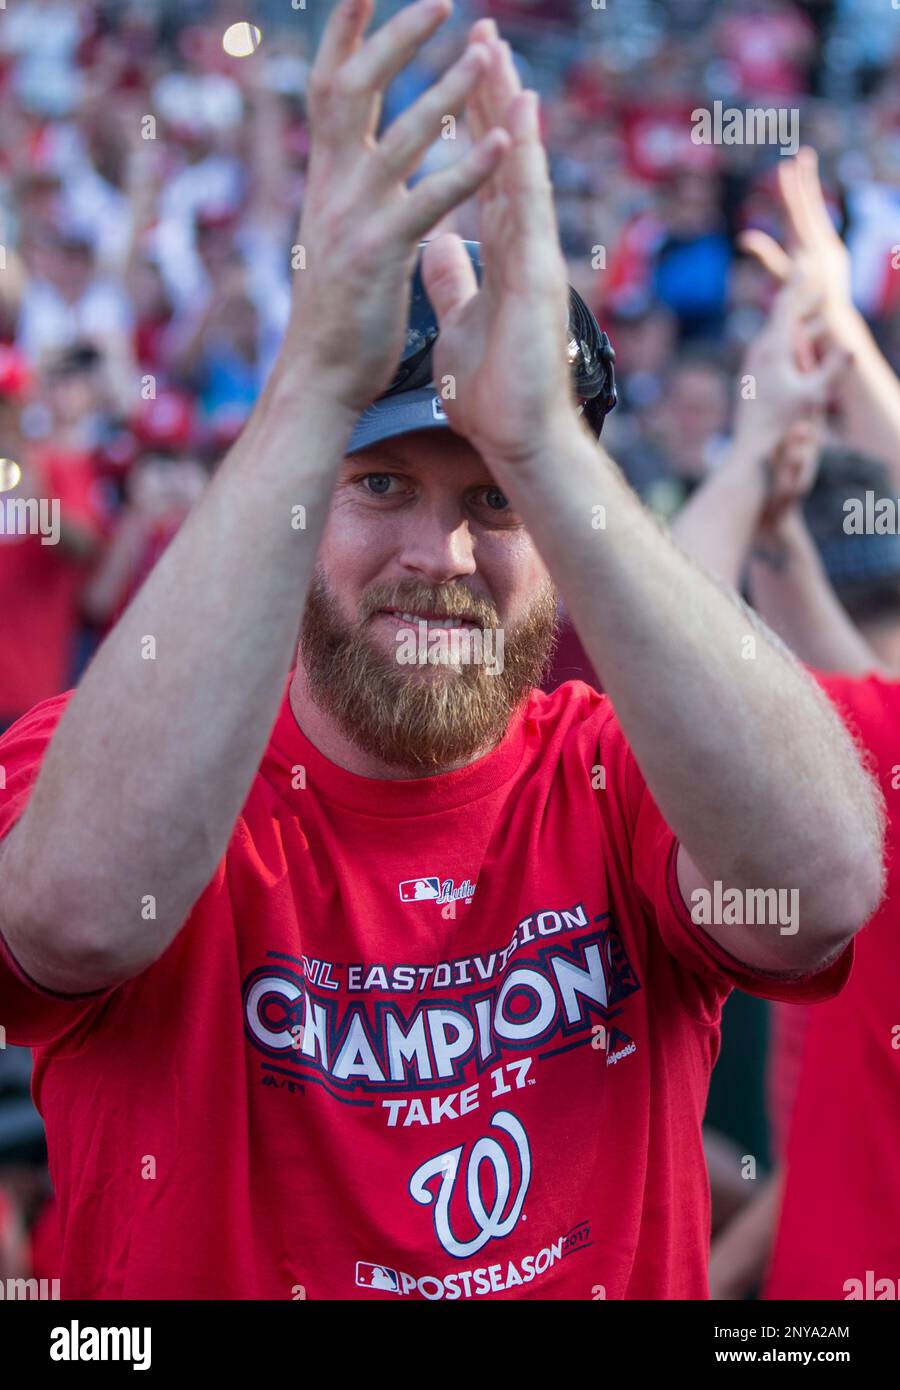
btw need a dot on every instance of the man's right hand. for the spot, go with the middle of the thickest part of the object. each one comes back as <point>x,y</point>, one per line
<point>361,225</point>
<point>142,783</point>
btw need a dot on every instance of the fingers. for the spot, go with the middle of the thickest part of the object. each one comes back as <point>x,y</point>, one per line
<point>793,204</point>
<point>491,101</point>
<point>805,349</point>
<point>433,197</point>
<point>799,299</point>
<point>348,76</point>
<point>770,255</point>
<point>797,317</point>
<point>835,361</point>
<point>342,34</point>
<point>394,45</point>
<point>526,177</point>
<point>810,184</point>
<point>409,136</point>
<point>801,449</point>
<point>501,85</point>
<point>809,226</point>
<point>449,276</point>
<point>484,32</point>
<point>794,463</point>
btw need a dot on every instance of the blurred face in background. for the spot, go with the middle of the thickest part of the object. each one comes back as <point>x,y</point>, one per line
<point>74,396</point>
<point>215,247</point>
<point>11,442</point>
<point>166,486</point>
<point>73,270</point>
<point>694,412</point>
<point>148,291</point>
<point>691,205</point>
<point>645,343</point>
<point>38,201</point>
<point>39,253</point>
<point>237,323</point>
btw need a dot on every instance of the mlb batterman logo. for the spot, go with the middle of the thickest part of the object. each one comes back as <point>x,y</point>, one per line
<point>416,890</point>
<point>413,890</point>
<point>377,1277</point>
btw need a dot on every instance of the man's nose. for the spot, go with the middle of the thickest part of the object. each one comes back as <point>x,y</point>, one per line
<point>438,545</point>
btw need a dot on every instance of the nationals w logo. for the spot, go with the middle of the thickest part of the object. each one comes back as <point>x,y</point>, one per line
<point>491,1217</point>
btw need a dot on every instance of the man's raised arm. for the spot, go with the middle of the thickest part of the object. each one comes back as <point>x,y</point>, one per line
<point>749,764</point>
<point>154,757</point>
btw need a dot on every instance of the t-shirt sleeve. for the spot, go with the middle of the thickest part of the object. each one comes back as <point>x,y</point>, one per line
<point>653,859</point>
<point>29,1013</point>
<point>870,707</point>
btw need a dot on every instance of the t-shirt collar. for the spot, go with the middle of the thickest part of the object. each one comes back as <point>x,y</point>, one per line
<point>400,797</point>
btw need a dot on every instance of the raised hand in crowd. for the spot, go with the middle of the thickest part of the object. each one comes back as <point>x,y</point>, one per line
<point>869,392</point>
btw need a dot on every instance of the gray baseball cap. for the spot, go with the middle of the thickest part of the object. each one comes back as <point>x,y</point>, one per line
<point>411,402</point>
<point>421,409</point>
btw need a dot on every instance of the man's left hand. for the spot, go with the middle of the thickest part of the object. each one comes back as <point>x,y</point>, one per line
<point>500,361</point>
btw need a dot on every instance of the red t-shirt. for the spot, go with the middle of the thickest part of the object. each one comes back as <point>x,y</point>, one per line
<point>371,1065</point>
<point>788,1025</point>
<point>767,51</point>
<point>841,1208</point>
<point>40,589</point>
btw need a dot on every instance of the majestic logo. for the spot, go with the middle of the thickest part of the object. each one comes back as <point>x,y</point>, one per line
<point>415,890</point>
<point>495,1207</point>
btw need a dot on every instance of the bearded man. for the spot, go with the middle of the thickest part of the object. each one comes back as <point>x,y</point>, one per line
<point>351,977</point>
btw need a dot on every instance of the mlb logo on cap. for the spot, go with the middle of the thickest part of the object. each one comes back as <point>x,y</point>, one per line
<point>437,409</point>
<point>414,890</point>
<point>377,1277</point>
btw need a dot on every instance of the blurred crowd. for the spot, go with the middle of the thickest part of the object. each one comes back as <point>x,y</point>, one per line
<point>150,187</point>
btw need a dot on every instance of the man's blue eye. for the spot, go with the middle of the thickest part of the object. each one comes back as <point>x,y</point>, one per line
<point>495,499</point>
<point>378,482</point>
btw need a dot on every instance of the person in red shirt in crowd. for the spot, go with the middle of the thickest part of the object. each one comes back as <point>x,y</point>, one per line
<point>43,566</point>
<point>162,485</point>
<point>12,1238</point>
<point>768,46</point>
<point>153,314</point>
<point>376,977</point>
<point>827,1224</point>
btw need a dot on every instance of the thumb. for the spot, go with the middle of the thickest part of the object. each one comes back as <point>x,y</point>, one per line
<point>767,251</point>
<point>449,276</point>
<point>835,361</point>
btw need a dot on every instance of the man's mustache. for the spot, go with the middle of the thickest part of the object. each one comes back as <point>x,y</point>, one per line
<point>449,600</point>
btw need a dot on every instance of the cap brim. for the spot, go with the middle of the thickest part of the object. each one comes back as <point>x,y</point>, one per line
<point>400,414</point>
